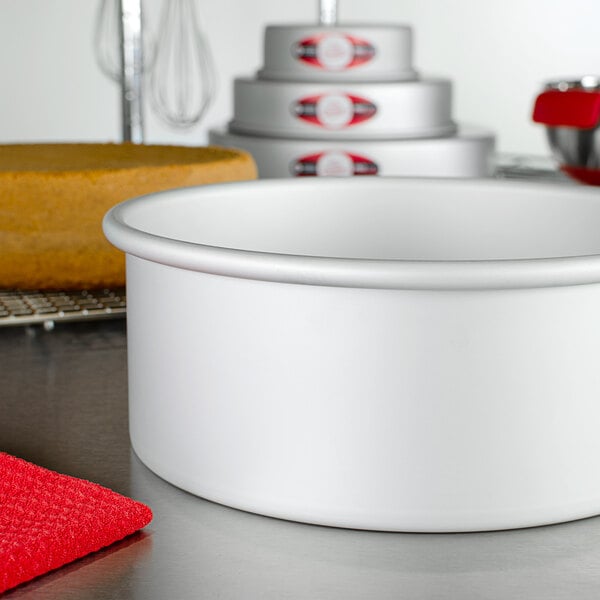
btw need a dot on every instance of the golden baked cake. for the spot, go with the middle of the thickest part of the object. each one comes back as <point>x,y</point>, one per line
<point>53,198</point>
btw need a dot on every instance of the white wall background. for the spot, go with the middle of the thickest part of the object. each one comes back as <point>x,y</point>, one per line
<point>497,52</point>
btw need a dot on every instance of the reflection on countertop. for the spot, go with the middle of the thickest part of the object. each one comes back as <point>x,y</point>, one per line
<point>64,406</point>
<point>542,169</point>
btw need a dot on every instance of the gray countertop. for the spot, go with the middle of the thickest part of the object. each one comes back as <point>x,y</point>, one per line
<point>63,405</point>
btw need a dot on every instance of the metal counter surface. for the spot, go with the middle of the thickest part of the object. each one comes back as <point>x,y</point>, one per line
<point>63,405</point>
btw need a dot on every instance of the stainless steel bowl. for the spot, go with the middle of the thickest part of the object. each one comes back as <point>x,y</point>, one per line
<point>575,146</point>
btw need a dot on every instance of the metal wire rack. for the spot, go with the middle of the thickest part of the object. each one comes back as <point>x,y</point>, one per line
<point>35,307</point>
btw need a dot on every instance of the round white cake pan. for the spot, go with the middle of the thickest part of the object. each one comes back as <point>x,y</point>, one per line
<point>411,355</point>
<point>343,111</point>
<point>467,154</point>
<point>344,53</point>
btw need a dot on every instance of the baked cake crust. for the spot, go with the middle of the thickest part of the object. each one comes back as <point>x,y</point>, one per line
<point>53,198</point>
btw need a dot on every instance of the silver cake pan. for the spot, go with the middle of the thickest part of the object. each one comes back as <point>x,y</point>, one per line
<point>341,53</point>
<point>467,154</point>
<point>415,109</point>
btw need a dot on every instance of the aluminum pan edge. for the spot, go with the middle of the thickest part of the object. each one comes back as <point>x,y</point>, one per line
<point>393,274</point>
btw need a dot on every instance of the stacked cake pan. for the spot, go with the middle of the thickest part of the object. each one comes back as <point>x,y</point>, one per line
<point>337,101</point>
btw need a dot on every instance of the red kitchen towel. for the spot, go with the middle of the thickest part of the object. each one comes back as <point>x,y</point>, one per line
<point>48,520</point>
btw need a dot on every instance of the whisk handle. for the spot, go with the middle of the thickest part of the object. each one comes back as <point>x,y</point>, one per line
<point>130,25</point>
<point>328,12</point>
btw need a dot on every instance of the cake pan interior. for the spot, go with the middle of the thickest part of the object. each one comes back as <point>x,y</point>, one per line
<point>387,219</point>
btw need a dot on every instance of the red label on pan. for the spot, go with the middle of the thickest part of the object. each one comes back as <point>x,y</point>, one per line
<point>333,164</point>
<point>334,52</point>
<point>334,111</point>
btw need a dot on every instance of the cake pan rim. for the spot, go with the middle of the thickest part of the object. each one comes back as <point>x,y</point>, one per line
<point>393,274</point>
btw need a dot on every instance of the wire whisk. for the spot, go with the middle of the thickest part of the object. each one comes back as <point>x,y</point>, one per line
<point>178,64</point>
<point>182,81</point>
<point>107,39</point>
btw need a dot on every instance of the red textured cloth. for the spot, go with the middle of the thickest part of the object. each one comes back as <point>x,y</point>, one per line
<point>48,520</point>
